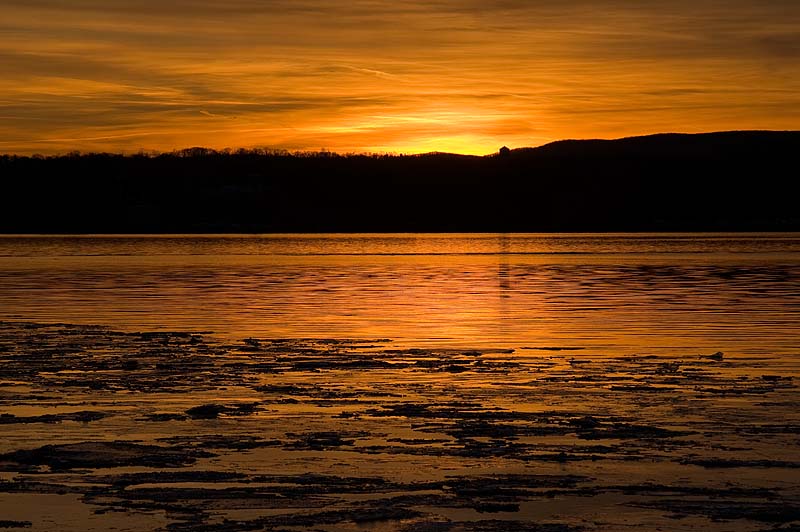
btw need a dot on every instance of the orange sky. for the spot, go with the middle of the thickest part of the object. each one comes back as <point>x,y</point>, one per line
<point>380,75</point>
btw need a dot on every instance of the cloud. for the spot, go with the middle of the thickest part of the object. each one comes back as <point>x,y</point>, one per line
<point>133,74</point>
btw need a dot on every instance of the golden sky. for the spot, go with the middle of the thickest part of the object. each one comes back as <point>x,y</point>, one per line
<point>389,76</point>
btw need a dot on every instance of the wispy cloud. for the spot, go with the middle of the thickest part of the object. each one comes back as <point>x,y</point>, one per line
<point>379,75</point>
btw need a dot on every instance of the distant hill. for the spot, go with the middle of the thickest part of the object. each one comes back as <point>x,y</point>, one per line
<point>743,180</point>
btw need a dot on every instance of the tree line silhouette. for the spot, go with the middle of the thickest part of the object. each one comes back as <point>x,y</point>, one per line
<point>668,182</point>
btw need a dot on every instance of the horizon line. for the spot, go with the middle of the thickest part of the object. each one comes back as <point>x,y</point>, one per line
<point>268,151</point>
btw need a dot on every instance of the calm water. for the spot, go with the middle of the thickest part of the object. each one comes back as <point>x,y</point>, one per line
<point>738,293</point>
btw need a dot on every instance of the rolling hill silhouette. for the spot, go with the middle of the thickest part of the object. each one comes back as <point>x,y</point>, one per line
<point>716,181</point>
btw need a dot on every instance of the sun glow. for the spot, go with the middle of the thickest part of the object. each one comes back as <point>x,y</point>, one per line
<point>462,144</point>
<point>465,132</point>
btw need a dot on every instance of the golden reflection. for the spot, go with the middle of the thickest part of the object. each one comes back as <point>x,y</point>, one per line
<point>617,295</point>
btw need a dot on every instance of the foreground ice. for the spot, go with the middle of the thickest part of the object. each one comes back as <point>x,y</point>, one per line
<point>180,431</point>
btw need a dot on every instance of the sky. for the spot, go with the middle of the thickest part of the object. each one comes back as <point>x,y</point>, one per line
<point>388,76</point>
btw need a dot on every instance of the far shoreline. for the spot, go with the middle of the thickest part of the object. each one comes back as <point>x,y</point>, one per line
<point>714,182</point>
